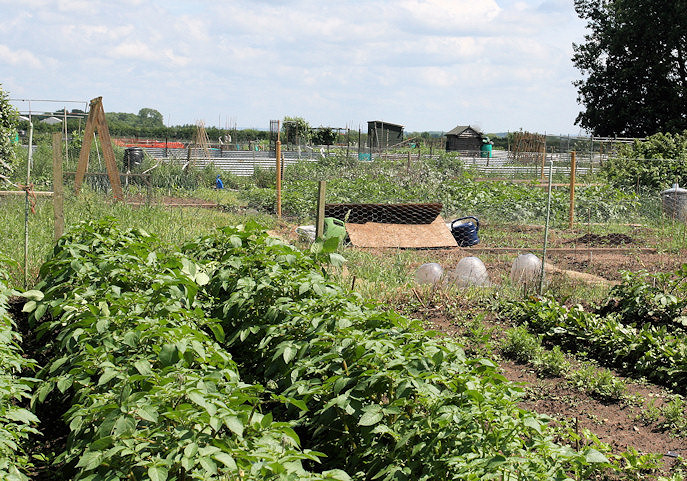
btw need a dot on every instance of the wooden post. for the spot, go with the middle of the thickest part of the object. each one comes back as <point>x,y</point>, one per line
<point>278,152</point>
<point>573,165</point>
<point>82,166</point>
<point>57,185</point>
<point>96,119</point>
<point>321,193</point>
<point>108,153</point>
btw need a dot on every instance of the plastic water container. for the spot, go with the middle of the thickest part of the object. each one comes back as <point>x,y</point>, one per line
<point>526,269</point>
<point>334,228</point>
<point>470,271</point>
<point>429,273</point>
<point>133,157</point>
<point>675,202</point>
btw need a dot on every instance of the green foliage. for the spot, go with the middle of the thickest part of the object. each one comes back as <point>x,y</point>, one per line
<point>552,362</point>
<point>633,64</point>
<point>147,123</point>
<point>16,422</point>
<point>150,392</point>
<point>41,167</point>
<point>384,398</point>
<point>520,345</point>
<point>674,414</point>
<point>174,175</point>
<point>323,136</point>
<point>655,299</point>
<point>296,130</point>
<point>600,383</point>
<point>642,346</point>
<point>264,178</point>
<point>443,179</point>
<point>8,127</point>
<point>653,164</point>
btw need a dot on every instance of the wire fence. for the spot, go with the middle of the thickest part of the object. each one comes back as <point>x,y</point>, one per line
<point>498,201</point>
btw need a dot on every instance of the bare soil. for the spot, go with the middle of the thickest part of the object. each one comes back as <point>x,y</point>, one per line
<point>622,425</point>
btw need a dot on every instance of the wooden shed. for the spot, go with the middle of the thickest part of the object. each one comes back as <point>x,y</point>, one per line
<point>381,135</point>
<point>464,138</point>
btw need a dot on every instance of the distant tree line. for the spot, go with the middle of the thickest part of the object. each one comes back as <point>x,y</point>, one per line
<point>148,123</point>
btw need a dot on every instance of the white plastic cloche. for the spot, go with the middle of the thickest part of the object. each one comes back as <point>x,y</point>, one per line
<point>526,269</point>
<point>429,273</point>
<point>470,271</point>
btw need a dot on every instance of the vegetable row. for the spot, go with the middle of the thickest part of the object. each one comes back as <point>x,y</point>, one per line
<point>17,423</point>
<point>639,329</point>
<point>151,394</point>
<point>238,358</point>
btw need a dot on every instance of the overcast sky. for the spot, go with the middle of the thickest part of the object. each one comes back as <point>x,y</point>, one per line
<point>426,64</point>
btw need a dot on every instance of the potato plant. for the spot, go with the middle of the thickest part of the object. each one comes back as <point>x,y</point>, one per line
<point>385,399</point>
<point>150,393</point>
<point>16,422</point>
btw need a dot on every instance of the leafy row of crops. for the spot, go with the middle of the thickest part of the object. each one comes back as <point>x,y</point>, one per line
<point>640,328</point>
<point>150,393</point>
<point>16,422</point>
<point>385,399</point>
<point>238,358</point>
<point>441,180</point>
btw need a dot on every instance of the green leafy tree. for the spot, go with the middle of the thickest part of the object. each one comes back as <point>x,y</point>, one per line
<point>150,118</point>
<point>296,130</point>
<point>653,164</point>
<point>8,123</point>
<point>633,66</point>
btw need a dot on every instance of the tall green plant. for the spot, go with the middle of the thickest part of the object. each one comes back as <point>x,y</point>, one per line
<point>16,422</point>
<point>8,122</point>
<point>653,164</point>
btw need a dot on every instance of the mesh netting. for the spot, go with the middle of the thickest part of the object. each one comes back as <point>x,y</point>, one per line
<point>384,213</point>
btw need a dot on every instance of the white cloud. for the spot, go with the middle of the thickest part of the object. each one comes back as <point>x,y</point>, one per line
<point>19,58</point>
<point>446,15</point>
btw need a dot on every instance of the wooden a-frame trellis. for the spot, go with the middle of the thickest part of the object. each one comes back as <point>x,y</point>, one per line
<point>96,119</point>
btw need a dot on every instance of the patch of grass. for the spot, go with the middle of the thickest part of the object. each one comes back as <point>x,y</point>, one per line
<point>172,225</point>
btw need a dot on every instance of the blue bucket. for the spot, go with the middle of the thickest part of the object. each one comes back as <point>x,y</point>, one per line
<point>465,233</point>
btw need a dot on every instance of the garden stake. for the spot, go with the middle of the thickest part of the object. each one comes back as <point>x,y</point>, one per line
<point>418,297</point>
<point>57,185</point>
<point>278,172</point>
<point>26,207</point>
<point>546,230</point>
<point>573,165</point>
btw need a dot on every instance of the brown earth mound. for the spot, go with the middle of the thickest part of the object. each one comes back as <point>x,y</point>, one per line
<point>613,239</point>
